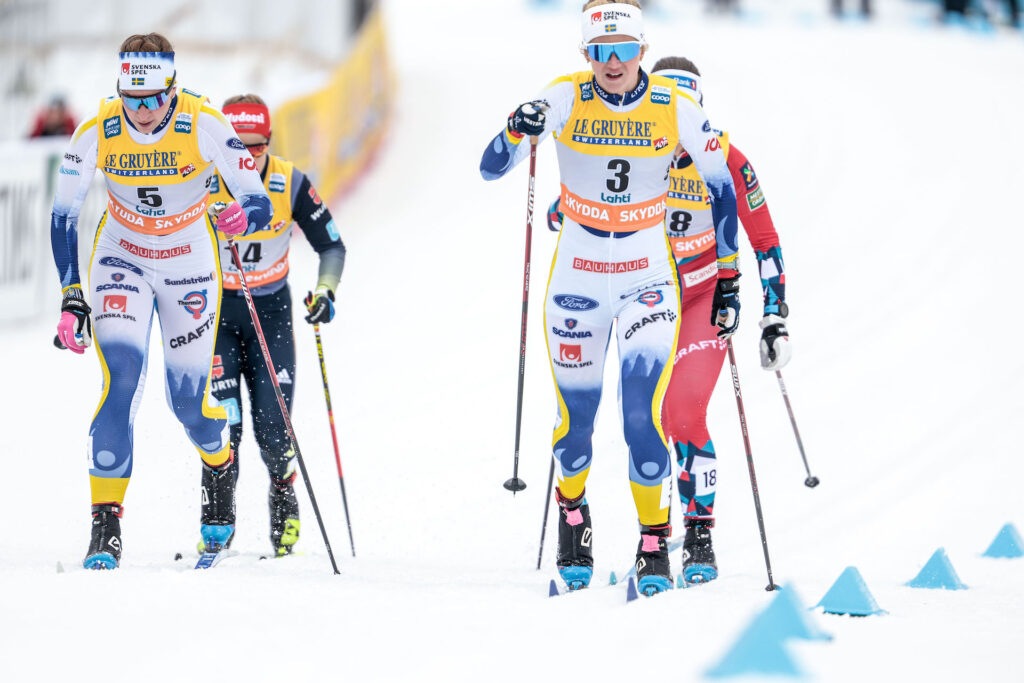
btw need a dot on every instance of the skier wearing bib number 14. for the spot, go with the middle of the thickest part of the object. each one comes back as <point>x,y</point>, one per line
<point>616,129</point>
<point>154,249</point>
<point>264,257</point>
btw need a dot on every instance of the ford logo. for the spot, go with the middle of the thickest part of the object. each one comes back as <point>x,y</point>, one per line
<point>573,302</point>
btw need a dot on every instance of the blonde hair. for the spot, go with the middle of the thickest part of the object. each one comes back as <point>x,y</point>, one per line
<point>246,99</point>
<point>146,42</point>
<point>594,3</point>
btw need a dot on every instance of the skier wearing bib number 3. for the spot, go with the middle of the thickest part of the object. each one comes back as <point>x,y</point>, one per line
<point>264,257</point>
<point>616,129</point>
<point>154,249</point>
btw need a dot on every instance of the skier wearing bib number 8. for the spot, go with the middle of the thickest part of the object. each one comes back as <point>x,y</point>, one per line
<point>264,257</point>
<point>154,249</point>
<point>615,129</point>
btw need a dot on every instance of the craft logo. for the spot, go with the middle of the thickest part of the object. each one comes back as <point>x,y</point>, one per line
<point>660,316</point>
<point>651,298</point>
<point>570,352</point>
<point>115,303</point>
<point>218,368</point>
<point>117,277</point>
<point>194,302</point>
<point>124,67</point>
<point>573,302</point>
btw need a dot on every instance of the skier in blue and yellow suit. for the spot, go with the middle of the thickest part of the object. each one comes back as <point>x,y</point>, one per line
<point>616,130</point>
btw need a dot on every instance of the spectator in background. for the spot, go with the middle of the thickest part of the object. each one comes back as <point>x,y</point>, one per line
<point>837,8</point>
<point>53,119</point>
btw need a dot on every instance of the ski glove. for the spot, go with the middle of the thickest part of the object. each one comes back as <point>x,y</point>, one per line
<point>320,305</point>
<point>555,216</point>
<point>527,119</point>
<point>74,331</point>
<point>775,347</point>
<point>725,309</point>
<point>231,220</point>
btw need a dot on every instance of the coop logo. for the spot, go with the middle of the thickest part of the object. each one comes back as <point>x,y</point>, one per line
<point>651,298</point>
<point>115,303</point>
<point>573,302</point>
<point>183,123</point>
<point>586,92</point>
<point>112,127</point>
<point>660,94</point>
<point>194,302</point>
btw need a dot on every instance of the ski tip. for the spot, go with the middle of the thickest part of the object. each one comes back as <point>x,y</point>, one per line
<point>60,567</point>
<point>515,485</point>
<point>552,589</point>
<point>631,593</point>
<point>811,482</point>
<point>177,556</point>
<point>612,580</point>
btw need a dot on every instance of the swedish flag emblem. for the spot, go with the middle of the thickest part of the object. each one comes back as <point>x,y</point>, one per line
<point>138,81</point>
<point>610,28</point>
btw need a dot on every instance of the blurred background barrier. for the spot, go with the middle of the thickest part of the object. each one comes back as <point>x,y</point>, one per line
<point>321,65</point>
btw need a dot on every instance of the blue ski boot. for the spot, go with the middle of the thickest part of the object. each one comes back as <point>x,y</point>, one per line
<point>653,573</point>
<point>218,511</point>
<point>698,556</point>
<point>575,559</point>
<point>105,543</point>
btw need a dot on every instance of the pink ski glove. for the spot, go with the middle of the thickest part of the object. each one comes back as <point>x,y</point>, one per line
<point>74,330</point>
<point>232,221</point>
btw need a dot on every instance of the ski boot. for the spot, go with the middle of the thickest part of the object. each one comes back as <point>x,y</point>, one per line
<point>653,573</point>
<point>698,556</point>
<point>105,543</point>
<point>284,515</point>
<point>575,559</point>
<point>217,521</point>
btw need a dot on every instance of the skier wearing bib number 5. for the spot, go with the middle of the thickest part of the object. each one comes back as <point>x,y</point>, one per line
<point>264,257</point>
<point>154,249</point>
<point>616,129</point>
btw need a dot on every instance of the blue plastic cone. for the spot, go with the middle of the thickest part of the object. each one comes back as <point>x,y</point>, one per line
<point>552,589</point>
<point>786,617</point>
<point>612,580</point>
<point>850,595</point>
<point>1007,543</point>
<point>755,652</point>
<point>937,573</point>
<point>631,590</point>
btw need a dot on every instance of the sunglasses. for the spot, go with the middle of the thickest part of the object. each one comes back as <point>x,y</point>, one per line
<point>150,102</point>
<point>602,52</point>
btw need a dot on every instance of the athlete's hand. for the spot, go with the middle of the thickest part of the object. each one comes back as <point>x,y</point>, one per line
<point>74,331</point>
<point>555,215</point>
<point>775,346</point>
<point>725,310</point>
<point>527,119</point>
<point>232,221</point>
<point>320,305</point>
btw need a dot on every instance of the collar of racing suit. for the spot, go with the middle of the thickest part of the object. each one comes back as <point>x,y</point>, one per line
<point>625,99</point>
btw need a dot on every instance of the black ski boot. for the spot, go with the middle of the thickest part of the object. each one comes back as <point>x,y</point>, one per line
<point>575,559</point>
<point>698,556</point>
<point>217,522</point>
<point>284,515</point>
<point>105,543</point>
<point>653,572</point>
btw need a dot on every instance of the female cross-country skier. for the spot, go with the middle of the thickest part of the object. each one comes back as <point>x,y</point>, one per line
<point>264,257</point>
<point>700,351</point>
<point>616,129</point>
<point>154,249</point>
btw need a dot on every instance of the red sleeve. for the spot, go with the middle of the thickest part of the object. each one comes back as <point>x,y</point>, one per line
<point>751,206</point>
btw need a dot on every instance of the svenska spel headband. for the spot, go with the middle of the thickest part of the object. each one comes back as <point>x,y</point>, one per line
<point>145,71</point>
<point>615,18</point>
<point>602,52</point>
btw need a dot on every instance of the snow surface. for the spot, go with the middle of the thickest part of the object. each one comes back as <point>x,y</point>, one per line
<point>889,154</point>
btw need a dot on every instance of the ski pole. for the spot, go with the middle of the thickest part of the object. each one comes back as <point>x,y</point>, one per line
<point>811,481</point>
<point>547,506</point>
<point>750,461</point>
<point>280,396</point>
<point>515,484</point>
<point>334,434</point>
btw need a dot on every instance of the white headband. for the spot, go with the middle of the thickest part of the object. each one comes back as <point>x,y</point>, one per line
<point>613,19</point>
<point>146,70</point>
<point>687,80</point>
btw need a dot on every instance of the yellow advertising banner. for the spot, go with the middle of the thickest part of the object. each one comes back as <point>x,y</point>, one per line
<point>333,134</point>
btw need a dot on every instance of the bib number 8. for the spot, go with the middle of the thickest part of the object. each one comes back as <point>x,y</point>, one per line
<point>680,221</point>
